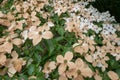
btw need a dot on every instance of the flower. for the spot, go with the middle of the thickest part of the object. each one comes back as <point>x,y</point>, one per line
<point>81,69</point>
<point>36,34</point>
<point>15,64</point>
<point>7,45</point>
<point>64,61</point>
<point>112,75</point>
<point>83,48</point>
<point>49,66</point>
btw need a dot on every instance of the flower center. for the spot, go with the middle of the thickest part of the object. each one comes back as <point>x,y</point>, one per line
<point>48,68</point>
<point>65,61</point>
<point>9,41</point>
<point>79,72</point>
<point>40,33</point>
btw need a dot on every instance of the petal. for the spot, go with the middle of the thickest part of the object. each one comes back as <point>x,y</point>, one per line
<point>8,47</point>
<point>75,45</point>
<point>14,55</point>
<point>79,63</point>
<point>85,47</point>
<point>97,77</point>
<point>11,71</point>
<point>52,65</point>
<point>32,28</point>
<point>63,78</point>
<point>36,39</point>
<point>62,69</point>
<point>71,65</point>
<point>79,49</point>
<point>17,41</point>
<point>32,34</point>
<point>89,58</point>
<point>60,59</point>
<point>112,75</point>
<point>17,65</point>
<point>68,55</point>
<point>79,77</point>
<point>92,48</point>
<point>71,73</point>
<point>87,72</point>
<point>47,35</point>
<point>2,59</point>
<point>45,70</point>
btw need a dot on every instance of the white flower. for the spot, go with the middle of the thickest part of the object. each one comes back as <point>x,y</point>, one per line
<point>24,35</point>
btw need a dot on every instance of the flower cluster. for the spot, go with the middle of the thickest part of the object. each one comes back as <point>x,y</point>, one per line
<point>96,34</point>
<point>67,68</point>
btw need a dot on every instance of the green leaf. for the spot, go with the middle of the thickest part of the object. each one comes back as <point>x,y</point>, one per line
<point>43,20</point>
<point>98,40</point>
<point>50,45</point>
<point>61,31</point>
<point>118,72</point>
<point>1,1</point>
<point>99,24</point>
<point>65,14</point>
<point>90,32</point>
<point>18,31</point>
<point>6,7</point>
<point>55,19</point>
<point>37,57</point>
<point>105,76</point>
<point>114,64</point>
<point>62,22</point>
<point>57,39</point>
<point>2,28</point>
<point>22,77</point>
<point>47,8</point>
<point>118,33</point>
<point>31,69</point>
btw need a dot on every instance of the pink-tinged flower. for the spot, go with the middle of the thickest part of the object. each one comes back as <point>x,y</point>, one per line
<point>64,61</point>
<point>36,34</point>
<point>49,67</point>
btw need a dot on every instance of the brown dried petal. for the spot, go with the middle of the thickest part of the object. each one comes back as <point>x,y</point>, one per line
<point>17,65</point>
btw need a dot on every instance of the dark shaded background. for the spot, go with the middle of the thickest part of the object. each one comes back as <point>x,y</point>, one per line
<point>113,6</point>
